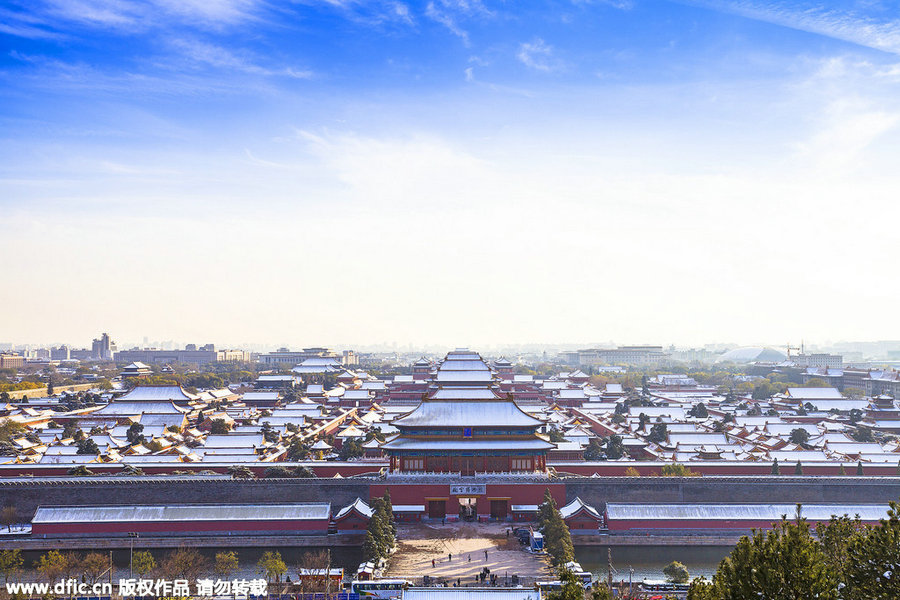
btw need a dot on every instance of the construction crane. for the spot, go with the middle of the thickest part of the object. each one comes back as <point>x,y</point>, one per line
<point>789,348</point>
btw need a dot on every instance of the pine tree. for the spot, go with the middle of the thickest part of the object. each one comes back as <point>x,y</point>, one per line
<point>786,563</point>
<point>557,540</point>
<point>798,470</point>
<point>842,470</point>
<point>776,470</point>
<point>370,548</point>
<point>859,468</point>
<point>389,510</point>
<point>872,560</point>
<point>572,588</point>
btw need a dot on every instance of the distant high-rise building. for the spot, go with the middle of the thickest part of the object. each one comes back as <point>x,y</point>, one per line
<point>61,353</point>
<point>104,348</point>
<point>833,361</point>
<point>628,355</point>
<point>283,356</point>
<point>11,361</point>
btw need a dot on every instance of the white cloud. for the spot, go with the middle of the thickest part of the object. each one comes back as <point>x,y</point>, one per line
<point>217,56</point>
<point>619,4</point>
<point>43,18</point>
<point>449,13</point>
<point>539,55</point>
<point>444,18</point>
<point>845,134</point>
<point>839,23</point>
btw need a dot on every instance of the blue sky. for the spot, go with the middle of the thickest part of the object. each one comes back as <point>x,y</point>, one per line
<point>453,171</point>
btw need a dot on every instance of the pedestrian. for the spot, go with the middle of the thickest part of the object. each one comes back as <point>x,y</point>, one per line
<point>470,558</point>
<point>443,520</point>
<point>457,582</point>
<point>485,555</point>
<point>449,557</point>
<point>432,563</point>
<point>507,534</point>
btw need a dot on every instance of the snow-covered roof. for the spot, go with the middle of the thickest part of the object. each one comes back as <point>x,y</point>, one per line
<point>157,393</point>
<point>576,505</point>
<point>815,393</point>
<point>357,505</point>
<point>470,413</point>
<point>740,512</point>
<point>183,512</point>
<point>467,444</point>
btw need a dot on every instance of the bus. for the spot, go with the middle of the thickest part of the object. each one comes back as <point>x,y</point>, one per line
<point>658,586</point>
<point>379,589</point>
<point>585,578</point>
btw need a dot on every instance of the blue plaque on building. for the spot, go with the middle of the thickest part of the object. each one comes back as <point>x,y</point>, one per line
<point>467,432</point>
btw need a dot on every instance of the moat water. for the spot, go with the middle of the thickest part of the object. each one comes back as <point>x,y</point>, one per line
<point>648,561</point>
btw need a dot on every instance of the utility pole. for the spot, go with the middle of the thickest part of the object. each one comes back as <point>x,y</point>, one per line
<point>132,535</point>
<point>328,573</point>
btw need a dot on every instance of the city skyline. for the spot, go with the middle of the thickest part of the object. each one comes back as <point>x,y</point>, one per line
<point>450,171</point>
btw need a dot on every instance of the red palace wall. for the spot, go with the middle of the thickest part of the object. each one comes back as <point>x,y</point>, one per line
<point>354,522</point>
<point>321,469</point>
<point>646,469</point>
<point>312,527</point>
<point>583,524</point>
<point>519,493</point>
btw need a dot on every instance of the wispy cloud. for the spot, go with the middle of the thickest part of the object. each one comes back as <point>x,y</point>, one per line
<point>369,12</point>
<point>204,53</point>
<point>841,23</point>
<point>46,18</point>
<point>849,131</point>
<point>449,12</point>
<point>539,55</point>
<point>447,20</point>
<point>57,76</point>
<point>619,4</point>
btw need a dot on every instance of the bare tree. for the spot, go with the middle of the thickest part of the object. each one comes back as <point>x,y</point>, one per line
<point>183,563</point>
<point>313,571</point>
<point>9,517</point>
<point>94,565</point>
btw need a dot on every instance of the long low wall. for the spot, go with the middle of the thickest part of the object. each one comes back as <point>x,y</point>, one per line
<point>218,541</point>
<point>722,467</point>
<point>320,468</point>
<point>597,491</point>
<point>729,539</point>
<point>26,494</point>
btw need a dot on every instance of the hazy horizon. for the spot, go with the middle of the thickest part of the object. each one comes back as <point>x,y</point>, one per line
<point>457,171</point>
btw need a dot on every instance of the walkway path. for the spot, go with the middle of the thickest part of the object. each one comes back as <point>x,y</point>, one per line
<point>421,543</point>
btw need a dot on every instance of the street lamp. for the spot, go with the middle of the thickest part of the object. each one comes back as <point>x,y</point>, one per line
<point>132,535</point>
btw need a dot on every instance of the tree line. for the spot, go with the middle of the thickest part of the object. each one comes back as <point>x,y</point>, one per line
<point>842,559</point>
<point>381,532</point>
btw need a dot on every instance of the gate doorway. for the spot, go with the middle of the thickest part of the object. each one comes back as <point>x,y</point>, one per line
<point>499,509</point>
<point>467,506</point>
<point>437,509</point>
